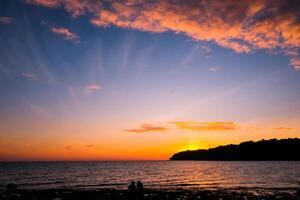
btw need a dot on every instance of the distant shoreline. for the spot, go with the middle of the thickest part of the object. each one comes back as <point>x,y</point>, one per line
<point>263,150</point>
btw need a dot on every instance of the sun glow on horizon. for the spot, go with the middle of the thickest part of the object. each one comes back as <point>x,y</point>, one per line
<point>192,147</point>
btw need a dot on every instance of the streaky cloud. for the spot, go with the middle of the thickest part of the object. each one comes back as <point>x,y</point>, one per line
<point>68,147</point>
<point>214,69</point>
<point>93,87</point>
<point>29,75</point>
<point>89,146</point>
<point>205,126</point>
<point>66,34</point>
<point>40,110</point>
<point>5,20</point>
<point>147,128</point>
<point>295,62</point>
<point>283,128</point>
<point>46,3</point>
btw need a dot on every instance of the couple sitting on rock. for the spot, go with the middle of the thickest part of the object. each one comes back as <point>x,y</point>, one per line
<point>139,187</point>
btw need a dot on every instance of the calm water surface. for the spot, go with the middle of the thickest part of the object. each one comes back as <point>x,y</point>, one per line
<point>154,174</point>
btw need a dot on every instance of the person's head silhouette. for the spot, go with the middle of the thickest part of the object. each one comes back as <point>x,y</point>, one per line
<point>139,185</point>
<point>131,186</point>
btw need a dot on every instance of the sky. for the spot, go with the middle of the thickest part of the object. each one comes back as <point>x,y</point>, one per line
<point>141,80</point>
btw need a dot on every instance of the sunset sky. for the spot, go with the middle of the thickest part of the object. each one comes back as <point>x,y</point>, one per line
<point>118,80</point>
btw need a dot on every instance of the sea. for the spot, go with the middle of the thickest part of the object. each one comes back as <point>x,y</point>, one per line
<point>279,175</point>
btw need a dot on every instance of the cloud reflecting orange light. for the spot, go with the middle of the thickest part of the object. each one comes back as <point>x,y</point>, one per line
<point>205,126</point>
<point>147,128</point>
<point>89,146</point>
<point>66,33</point>
<point>296,63</point>
<point>242,26</point>
<point>283,128</point>
<point>47,3</point>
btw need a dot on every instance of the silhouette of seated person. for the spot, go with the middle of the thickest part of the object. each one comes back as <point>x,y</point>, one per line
<point>139,186</point>
<point>132,187</point>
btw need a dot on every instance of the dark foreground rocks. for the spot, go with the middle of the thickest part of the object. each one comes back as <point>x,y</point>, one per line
<point>109,194</point>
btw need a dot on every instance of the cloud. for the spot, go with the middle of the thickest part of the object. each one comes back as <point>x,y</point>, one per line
<point>42,22</point>
<point>89,146</point>
<point>68,147</point>
<point>147,128</point>
<point>40,110</point>
<point>29,75</point>
<point>295,62</point>
<point>66,34</point>
<point>93,87</point>
<point>241,26</point>
<point>46,3</point>
<point>283,128</point>
<point>214,69</point>
<point>5,20</point>
<point>205,126</point>
<point>206,51</point>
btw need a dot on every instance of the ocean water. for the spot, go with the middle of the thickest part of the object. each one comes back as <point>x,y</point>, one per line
<point>154,174</point>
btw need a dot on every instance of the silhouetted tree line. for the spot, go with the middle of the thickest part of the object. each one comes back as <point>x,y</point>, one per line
<point>284,149</point>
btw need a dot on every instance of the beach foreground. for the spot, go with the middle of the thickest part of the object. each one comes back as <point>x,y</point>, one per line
<point>153,194</point>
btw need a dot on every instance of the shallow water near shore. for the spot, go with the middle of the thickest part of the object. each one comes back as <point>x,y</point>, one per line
<point>271,175</point>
